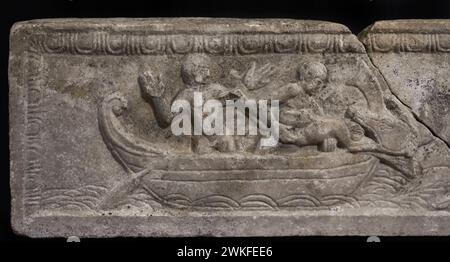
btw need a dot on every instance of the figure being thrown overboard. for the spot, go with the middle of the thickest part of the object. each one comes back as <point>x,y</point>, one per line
<point>302,118</point>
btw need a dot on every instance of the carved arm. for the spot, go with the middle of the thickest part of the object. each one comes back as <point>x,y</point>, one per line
<point>152,89</point>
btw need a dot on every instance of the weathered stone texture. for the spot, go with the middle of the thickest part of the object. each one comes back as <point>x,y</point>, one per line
<point>363,143</point>
<point>413,56</point>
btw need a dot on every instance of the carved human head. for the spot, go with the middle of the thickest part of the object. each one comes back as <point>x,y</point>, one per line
<point>312,75</point>
<point>195,69</point>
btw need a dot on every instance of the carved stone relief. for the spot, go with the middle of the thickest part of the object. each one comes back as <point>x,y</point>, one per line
<point>93,152</point>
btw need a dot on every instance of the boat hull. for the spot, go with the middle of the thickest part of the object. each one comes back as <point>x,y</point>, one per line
<point>221,180</point>
<point>259,184</point>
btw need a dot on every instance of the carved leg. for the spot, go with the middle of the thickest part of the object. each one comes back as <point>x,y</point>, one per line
<point>332,129</point>
<point>292,136</point>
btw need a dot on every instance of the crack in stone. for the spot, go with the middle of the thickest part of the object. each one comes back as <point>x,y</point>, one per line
<point>416,117</point>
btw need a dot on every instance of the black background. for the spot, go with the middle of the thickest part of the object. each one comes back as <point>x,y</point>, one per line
<point>354,14</point>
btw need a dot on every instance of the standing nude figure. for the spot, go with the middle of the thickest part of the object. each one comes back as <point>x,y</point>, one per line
<point>195,73</point>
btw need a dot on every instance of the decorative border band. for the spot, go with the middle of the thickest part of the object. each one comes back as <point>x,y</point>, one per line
<point>106,43</point>
<point>407,42</point>
<point>33,145</point>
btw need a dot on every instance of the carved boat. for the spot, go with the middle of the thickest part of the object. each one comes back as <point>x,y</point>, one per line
<point>228,180</point>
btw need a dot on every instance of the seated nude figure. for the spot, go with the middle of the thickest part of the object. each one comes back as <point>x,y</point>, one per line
<point>302,120</point>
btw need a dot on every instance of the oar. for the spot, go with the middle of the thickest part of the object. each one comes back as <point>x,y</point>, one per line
<point>121,190</point>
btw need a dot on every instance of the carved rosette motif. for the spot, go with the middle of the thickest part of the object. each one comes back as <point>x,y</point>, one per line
<point>407,42</point>
<point>104,43</point>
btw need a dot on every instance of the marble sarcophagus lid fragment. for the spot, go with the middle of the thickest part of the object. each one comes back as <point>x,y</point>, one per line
<point>229,127</point>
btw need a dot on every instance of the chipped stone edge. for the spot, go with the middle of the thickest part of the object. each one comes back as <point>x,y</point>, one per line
<point>16,128</point>
<point>255,224</point>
